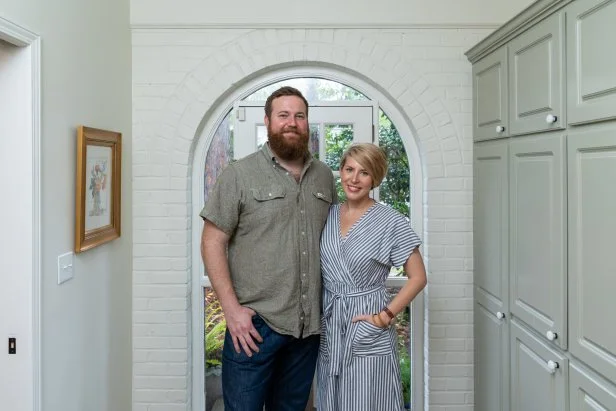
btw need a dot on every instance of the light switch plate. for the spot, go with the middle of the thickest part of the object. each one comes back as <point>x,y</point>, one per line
<point>66,268</point>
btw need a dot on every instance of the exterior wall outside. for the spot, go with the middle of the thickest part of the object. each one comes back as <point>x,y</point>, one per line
<point>179,77</point>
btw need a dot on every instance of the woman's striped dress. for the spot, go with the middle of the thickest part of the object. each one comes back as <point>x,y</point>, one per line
<point>358,364</point>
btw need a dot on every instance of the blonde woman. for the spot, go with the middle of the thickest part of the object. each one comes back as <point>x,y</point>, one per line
<point>358,364</point>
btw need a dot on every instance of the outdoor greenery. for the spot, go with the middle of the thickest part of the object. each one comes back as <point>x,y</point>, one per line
<point>395,188</point>
<point>215,327</point>
<point>402,330</point>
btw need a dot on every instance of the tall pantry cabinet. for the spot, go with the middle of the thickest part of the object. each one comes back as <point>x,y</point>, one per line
<point>544,109</point>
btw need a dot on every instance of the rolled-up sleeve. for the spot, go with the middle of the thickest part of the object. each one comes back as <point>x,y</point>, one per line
<point>223,204</point>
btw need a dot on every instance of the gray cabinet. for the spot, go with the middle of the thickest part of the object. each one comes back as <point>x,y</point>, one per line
<point>537,250</point>
<point>591,59</point>
<point>490,116</point>
<point>592,246</point>
<point>490,277</point>
<point>545,209</point>
<point>538,373</point>
<point>536,65</point>
<point>588,391</point>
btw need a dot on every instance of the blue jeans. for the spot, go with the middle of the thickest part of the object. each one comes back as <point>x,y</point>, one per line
<point>279,376</point>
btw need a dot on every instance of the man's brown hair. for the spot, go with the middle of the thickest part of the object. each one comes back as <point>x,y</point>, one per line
<point>283,91</point>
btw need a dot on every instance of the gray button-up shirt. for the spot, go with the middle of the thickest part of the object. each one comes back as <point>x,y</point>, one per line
<point>275,225</point>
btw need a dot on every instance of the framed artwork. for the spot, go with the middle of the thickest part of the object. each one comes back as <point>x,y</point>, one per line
<point>99,176</point>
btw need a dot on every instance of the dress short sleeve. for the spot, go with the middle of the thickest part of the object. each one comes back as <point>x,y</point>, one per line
<point>402,240</point>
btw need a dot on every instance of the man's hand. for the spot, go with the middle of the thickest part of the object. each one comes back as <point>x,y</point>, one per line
<point>239,319</point>
<point>243,333</point>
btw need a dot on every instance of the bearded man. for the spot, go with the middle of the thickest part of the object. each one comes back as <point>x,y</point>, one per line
<point>260,246</point>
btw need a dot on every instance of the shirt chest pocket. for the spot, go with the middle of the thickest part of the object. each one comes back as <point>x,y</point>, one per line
<point>321,202</point>
<point>269,201</point>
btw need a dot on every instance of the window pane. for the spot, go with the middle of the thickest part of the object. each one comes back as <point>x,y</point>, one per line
<point>314,143</point>
<point>340,191</point>
<point>395,188</point>
<point>261,135</point>
<point>219,154</point>
<point>314,89</point>
<point>215,327</point>
<point>337,138</point>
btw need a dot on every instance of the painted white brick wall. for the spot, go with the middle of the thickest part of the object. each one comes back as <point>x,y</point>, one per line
<point>179,73</point>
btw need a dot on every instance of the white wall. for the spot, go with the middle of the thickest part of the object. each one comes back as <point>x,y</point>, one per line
<point>341,12</point>
<point>189,55</point>
<point>179,78</point>
<point>86,322</point>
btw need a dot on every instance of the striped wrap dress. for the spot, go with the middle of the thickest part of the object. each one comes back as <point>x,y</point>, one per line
<point>358,367</point>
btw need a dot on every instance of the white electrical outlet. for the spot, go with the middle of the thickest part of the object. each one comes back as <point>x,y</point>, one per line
<point>65,267</point>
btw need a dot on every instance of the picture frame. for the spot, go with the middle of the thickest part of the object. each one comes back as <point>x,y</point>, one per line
<point>98,187</point>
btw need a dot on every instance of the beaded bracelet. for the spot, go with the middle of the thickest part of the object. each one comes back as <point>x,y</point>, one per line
<point>388,312</point>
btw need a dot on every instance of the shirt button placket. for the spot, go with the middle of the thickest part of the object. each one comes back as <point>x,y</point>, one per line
<point>303,264</point>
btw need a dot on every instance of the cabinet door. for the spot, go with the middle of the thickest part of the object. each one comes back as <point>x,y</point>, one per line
<point>538,373</point>
<point>537,241</point>
<point>591,58</point>
<point>490,96</point>
<point>536,62</point>
<point>490,234</point>
<point>491,333</point>
<point>592,246</point>
<point>491,285</point>
<point>588,391</point>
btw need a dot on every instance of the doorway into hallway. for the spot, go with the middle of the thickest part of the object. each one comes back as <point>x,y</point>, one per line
<point>19,250</point>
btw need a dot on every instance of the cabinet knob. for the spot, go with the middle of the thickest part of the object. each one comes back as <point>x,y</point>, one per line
<point>500,129</point>
<point>552,366</point>
<point>551,118</point>
<point>551,335</point>
<point>500,315</point>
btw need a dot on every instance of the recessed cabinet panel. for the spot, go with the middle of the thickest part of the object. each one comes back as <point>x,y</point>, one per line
<point>490,96</point>
<point>591,58</point>
<point>588,391</point>
<point>536,61</point>
<point>537,242</point>
<point>592,246</point>
<point>491,359</point>
<point>538,373</point>
<point>490,223</point>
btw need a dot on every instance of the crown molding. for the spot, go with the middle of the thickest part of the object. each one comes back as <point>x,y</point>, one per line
<point>351,26</point>
<point>528,17</point>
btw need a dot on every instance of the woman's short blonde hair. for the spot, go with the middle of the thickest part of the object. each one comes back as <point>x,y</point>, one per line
<point>371,157</point>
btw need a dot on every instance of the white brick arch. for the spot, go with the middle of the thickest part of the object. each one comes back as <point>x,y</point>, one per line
<point>260,52</point>
<point>361,59</point>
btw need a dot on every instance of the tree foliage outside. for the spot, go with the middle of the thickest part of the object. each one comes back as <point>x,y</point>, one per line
<point>395,188</point>
<point>215,327</point>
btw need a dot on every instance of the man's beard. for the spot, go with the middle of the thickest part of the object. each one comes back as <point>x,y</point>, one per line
<point>285,149</point>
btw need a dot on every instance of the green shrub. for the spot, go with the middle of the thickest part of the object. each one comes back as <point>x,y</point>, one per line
<point>215,327</point>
